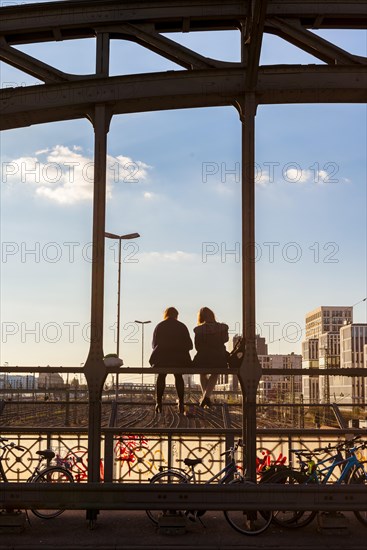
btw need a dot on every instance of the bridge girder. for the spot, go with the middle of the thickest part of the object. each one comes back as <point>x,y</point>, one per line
<point>206,82</point>
<point>81,19</point>
<point>178,90</point>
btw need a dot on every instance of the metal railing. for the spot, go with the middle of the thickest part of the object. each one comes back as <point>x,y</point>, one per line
<point>130,459</point>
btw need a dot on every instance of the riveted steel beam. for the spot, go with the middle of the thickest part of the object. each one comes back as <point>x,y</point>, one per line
<point>332,371</point>
<point>127,496</point>
<point>80,19</point>
<point>21,107</point>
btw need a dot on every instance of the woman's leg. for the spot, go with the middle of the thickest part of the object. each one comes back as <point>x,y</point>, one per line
<point>203,382</point>
<point>180,388</point>
<point>211,382</point>
<point>161,384</point>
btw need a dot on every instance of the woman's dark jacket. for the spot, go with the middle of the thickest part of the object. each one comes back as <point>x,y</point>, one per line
<point>171,345</point>
<point>209,343</point>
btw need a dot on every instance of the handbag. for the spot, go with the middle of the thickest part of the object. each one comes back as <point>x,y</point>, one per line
<point>235,357</point>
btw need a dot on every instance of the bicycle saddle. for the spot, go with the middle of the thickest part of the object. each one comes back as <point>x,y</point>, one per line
<point>47,454</point>
<point>193,461</point>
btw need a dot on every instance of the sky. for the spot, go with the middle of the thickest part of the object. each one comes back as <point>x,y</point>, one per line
<point>174,177</point>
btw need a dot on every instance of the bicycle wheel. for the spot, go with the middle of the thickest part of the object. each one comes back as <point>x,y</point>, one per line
<point>165,478</point>
<point>359,476</point>
<point>248,522</point>
<point>291,519</point>
<point>52,475</point>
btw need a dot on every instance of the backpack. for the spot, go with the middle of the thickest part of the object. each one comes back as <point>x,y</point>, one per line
<point>235,357</point>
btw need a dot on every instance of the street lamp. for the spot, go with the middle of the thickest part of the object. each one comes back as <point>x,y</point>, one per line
<point>142,323</point>
<point>119,238</point>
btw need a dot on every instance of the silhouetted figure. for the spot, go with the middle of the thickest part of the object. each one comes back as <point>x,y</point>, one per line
<point>210,337</point>
<point>171,347</point>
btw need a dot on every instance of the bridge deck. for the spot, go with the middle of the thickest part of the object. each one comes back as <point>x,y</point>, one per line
<point>132,530</point>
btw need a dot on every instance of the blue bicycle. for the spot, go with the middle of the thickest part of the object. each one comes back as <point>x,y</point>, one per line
<point>334,468</point>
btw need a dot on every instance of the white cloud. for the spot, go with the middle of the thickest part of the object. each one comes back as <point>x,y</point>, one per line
<point>297,175</point>
<point>262,177</point>
<point>169,257</point>
<point>129,170</point>
<point>65,175</point>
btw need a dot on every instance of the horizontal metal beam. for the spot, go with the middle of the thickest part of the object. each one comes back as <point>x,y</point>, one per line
<point>331,371</point>
<point>81,19</point>
<point>311,84</point>
<point>61,431</point>
<point>127,496</point>
<point>21,107</point>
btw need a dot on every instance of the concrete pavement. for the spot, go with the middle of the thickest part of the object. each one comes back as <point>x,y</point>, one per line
<point>133,531</point>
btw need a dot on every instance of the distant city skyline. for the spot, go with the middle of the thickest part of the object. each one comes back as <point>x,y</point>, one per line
<point>173,177</point>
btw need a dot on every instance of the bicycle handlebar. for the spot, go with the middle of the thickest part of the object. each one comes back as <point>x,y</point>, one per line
<point>232,450</point>
<point>344,445</point>
<point>11,445</point>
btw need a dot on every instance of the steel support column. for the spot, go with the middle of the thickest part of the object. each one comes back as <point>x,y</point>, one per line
<point>250,370</point>
<point>94,369</point>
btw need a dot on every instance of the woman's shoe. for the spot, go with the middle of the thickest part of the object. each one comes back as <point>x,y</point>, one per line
<point>181,407</point>
<point>158,408</point>
<point>205,403</point>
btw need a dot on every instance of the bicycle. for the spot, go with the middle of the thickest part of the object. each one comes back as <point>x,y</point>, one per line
<point>250,522</point>
<point>341,470</point>
<point>48,474</point>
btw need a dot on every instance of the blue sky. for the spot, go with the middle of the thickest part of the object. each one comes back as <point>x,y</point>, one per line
<point>174,178</point>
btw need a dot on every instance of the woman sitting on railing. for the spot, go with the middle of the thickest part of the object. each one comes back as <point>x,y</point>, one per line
<point>171,349</point>
<point>210,339</point>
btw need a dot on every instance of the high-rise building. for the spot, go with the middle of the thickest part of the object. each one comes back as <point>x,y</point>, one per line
<point>261,345</point>
<point>353,344</point>
<point>331,342</point>
<point>327,319</point>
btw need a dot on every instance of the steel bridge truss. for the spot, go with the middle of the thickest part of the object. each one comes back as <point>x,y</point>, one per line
<point>340,77</point>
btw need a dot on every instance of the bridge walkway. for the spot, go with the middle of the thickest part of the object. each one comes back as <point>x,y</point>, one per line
<point>133,531</point>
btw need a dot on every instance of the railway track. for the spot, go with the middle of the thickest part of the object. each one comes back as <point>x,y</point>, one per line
<point>126,414</point>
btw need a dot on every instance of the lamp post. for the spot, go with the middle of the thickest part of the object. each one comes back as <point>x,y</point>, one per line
<point>119,238</point>
<point>142,323</point>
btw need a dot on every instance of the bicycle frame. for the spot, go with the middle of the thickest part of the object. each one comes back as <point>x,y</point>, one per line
<point>322,473</point>
<point>36,470</point>
<point>248,522</point>
<point>228,470</point>
<point>2,471</point>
